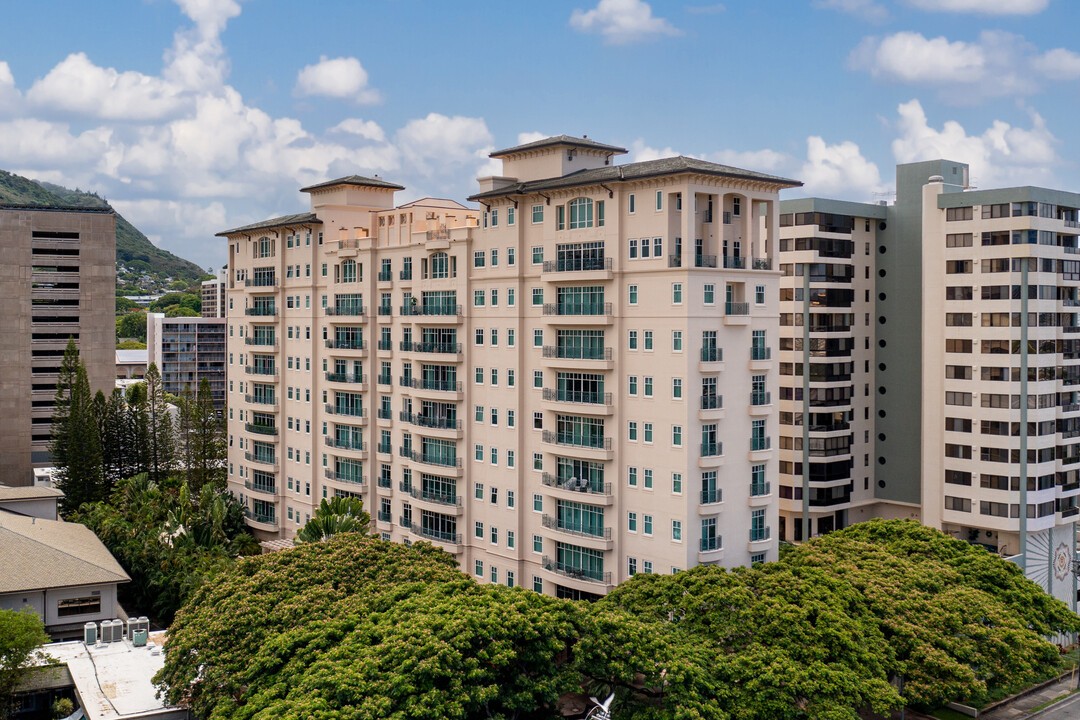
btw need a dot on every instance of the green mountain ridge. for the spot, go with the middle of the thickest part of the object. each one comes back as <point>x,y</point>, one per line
<point>133,249</point>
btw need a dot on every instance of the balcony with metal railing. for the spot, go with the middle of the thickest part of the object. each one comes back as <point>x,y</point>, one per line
<point>711,495</point>
<point>431,458</point>
<point>260,429</point>
<point>345,411</point>
<point>261,518</point>
<point>736,308</point>
<point>580,312</point>
<point>712,354</point>
<point>592,575</point>
<point>432,310</point>
<point>429,421</point>
<point>579,531</point>
<point>760,398</point>
<point>709,544</point>
<point>384,516</point>
<point>261,282</point>
<point>441,536</point>
<point>356,378</point>
<point>345,442</point>
<point>760,443</point>
<point>444,499</point>
<point>268,370</point>
<point>385,345</point>
<point>345,344</point>
<point>577,485</point>
<point>759,535</point>
<point>589,399</point>
<point>597,358</point>
<point>760,352</point>
<point>592,268</point>
<point>383,448</point>
<point>261,311</point>
<point>261,487</point>
<point>260,399</point>
<point>405,274</point>
<point>348,310</point>
<point>385,276</point>
<point>439,348</point>
<point>578,440</point>
<point>385,310</point>
<point>712,449</point>
<point>263,458</point>
<point>260,341</point>
<point>712,402</point>
<point>354,478</point>
<point>704,261</point>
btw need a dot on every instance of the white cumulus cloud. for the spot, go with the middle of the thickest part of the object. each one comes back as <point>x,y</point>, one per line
<point>439,141</point>
<point>76,85</point>
<point>838,169</point>
<point>368,129</point>
<point>343,78</point>
<point>908,57</point>
<point>864,9</point>
<point>982,7</point>
<point>622,21</point>
<point>1000,155</point>
<point>997,64</point>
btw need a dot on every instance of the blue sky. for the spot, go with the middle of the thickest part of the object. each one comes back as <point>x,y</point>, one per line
<point>192,116</point>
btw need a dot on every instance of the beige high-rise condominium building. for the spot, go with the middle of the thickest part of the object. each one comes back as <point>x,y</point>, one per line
<point>57,280</point>
<point>570,384</point>
<point>966,415</point>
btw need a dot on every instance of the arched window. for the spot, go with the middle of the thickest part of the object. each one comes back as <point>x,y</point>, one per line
<point>348,271</point>
<point>440,265</point>
<point>581,213</point>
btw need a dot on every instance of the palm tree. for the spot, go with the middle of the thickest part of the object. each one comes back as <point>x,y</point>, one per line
<point>334,516</point>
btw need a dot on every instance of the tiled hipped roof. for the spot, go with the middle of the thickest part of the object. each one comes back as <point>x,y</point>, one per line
<point>40,554</point>
<point>584,143</point>
<point>283,221</point>
<point>637,171</point>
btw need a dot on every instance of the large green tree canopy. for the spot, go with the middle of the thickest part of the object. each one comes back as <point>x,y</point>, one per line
<point>356,627</point>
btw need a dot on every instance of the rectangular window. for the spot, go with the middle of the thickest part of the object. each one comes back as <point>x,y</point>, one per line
<point>710,293</point>
<point>632,293</point>
<point>676,340</point>
<point>538,297</point>
<point>759,295</point>
<point>631,476</point>
<point>537,214</point>
<point>560,217</point>
<point>676,293</point>
<point>676,530</point>
<point>659,200</point>
<point>633,248</point>
<point>538,502</point>
<point>648,339</point>
<point>511,256</point>
<point>631,203</point>
<point>632,340</point>
<point>510,213</point>
<point>538,255</point>
<point>538,337</point>
<point>538,544</point>
<point>676,435</point>
<point>676,388</point>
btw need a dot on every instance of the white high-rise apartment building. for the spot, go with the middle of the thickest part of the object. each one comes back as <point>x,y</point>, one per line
<point>568,385</point>
<point>966,414</point>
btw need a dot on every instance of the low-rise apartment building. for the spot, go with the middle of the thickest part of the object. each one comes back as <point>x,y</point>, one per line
<point>567,386</point>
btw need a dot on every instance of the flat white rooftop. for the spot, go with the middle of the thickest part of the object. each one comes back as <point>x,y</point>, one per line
<point>115,680</point>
